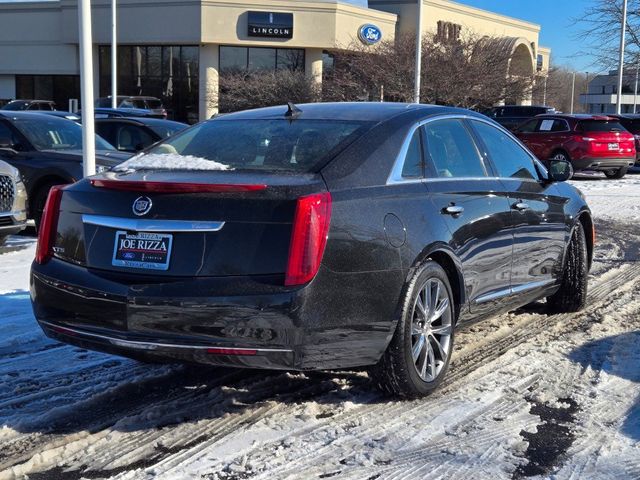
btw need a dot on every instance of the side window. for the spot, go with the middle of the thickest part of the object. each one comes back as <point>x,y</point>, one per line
<point>106,131</point>
<point>509,158</point>
<point>132,138</point>
<point>413,163</point>
<point>559,126</point>
<point>529,127</point>
<point>5,132</point>
<point>452,150</point>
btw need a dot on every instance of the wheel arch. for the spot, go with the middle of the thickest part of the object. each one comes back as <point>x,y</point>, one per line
<point>444,256</point>
<point>53,178</point>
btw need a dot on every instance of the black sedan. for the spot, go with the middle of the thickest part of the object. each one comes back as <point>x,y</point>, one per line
<point>312,237</point>
<point>47,151</point>
<point>135,134</point>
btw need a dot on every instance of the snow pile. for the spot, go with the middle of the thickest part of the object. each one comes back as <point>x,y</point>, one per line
<point>614,199</point>
<point>169,161</point>
<point>14,267</point>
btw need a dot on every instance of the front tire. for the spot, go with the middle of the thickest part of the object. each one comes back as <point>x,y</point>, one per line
<point>621,172</point>
<point>572,295</point>
<point>418,356</point>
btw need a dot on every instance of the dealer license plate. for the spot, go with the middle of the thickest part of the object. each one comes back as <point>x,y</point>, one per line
<point>150,251</point>
<point>614,146</point>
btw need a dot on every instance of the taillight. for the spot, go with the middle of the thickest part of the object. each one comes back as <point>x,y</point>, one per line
<point>308,238</point>
<point>49,225</point>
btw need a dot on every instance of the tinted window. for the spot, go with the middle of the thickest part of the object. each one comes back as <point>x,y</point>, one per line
<point>153,103</point>
<point>552,125</point>
<point>131,138</point>
<point>277,144</point>
<point>53,133</point>
<point>529,126</point>
<point>509,158</point>
<point>165,130</point>
<point>6,133</point>
<point>452,150</point>
<point>413,164</point>
<point>633,125</point>
<point>600,126</point>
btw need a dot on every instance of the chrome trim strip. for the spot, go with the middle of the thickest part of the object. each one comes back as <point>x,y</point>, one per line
<point>395,176</point>
<point>488,297</point>
<point>145,225</point>
<point>154,345</point>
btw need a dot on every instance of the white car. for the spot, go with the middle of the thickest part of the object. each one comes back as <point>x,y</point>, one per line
<point>13,202</point>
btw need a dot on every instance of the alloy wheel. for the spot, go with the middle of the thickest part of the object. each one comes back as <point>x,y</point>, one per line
<point>431,329</point>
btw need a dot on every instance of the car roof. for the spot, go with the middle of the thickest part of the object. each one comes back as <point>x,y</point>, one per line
<point>141,120</point>
<point>18,114</point>
<point>575,116</point>
<point>355,111</point>
<point>628,116</point>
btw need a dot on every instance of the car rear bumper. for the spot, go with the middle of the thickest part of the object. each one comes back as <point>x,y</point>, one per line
<point>207,320</point>
<point>602,163</point>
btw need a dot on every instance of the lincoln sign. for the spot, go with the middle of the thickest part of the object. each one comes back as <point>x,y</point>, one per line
<point>270,24</point>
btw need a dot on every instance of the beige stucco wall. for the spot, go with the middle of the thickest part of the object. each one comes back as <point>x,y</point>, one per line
<point>315,24</point>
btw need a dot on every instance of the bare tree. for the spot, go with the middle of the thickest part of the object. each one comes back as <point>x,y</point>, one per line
<point>600,29</point>
<point>558,89</point>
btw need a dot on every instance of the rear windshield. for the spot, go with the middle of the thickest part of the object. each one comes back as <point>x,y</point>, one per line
<point>165,130</point>
<point>600,126</point>
<point>633,125</point>
<point>276,144</point>
<point>153,103</point>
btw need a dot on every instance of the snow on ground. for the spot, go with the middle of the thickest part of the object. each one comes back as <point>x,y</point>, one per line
<point>528,396</point>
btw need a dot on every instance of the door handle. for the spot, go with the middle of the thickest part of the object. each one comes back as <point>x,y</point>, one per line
<point>453,210</point>
<point>520,206</point>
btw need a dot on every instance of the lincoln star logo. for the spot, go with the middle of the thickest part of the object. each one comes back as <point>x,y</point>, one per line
<point>142,205</point>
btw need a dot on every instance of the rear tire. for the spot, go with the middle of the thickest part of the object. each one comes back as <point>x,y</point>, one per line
<point>572,295</point>
<point>418,356</point>
<point>621,172</point>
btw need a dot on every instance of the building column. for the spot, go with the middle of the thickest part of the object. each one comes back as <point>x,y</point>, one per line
<point>208,81</point>
<point>313,64</point>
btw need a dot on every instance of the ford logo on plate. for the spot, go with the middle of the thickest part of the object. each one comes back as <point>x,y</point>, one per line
<point>142,205</point>
<point>369,34</point>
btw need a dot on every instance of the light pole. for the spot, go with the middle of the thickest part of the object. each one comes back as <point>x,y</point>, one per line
<point>86,88</point>
<point>573,90</point>
<point>623,28</point>
<point>544,91</point>
<point>114,56</point>
<point>416,82</point>
<point>635,89</point>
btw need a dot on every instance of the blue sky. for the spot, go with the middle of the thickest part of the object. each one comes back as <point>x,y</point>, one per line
<point>555,17</point>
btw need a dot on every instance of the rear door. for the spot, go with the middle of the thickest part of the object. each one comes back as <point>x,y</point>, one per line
<point>475,209</point>
<point>537,211</point>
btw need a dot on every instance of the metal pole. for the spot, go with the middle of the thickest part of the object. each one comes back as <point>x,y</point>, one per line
<point>114,56</point>
<point>623,28</point>
<point>544,91</point>
<point>635,90</point>
<point>86,88</point>
<point>573,90</point>
<point>416,83</point>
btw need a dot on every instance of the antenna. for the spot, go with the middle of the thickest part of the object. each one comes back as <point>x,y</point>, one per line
<point>292,111</point>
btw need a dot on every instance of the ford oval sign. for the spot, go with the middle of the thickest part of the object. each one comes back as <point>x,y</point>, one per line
<point>369,34</point>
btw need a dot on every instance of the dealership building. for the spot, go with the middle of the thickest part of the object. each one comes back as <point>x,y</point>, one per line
<point>176,50</point>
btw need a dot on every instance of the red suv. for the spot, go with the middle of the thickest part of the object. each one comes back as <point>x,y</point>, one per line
<point>589,142</point>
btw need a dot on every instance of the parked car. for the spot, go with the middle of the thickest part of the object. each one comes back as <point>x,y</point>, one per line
<point>13,202</point>
<point>510,116</point>
<point>135,101</point>
<point>589,142</point>
<point>17,105</point>
<point>63,114</point>
<point>312,237</point>
<point>135,134</point>
<point>47,151</point>
<point>631,123</point>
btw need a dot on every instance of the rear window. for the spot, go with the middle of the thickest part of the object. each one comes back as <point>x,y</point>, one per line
<point>154,103</point>
<point>276,144</point>
<point>600,126</point>
<point>632,125</point>
<point>167,129</point>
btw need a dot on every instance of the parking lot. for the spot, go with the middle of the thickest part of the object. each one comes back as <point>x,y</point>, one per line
<point>529,394</point>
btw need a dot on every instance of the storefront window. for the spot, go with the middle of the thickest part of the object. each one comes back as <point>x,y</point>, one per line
<point>59,88</point>
<point>169,73</point>
<point>260,58</point>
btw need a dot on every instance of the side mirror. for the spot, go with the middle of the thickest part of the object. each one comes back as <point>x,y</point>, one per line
<point>560,170</point>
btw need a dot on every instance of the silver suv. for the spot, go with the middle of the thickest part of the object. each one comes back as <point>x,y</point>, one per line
<point>13,202</point>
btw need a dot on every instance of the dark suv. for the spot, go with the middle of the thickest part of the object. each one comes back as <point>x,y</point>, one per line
<point>631,122</point>
<point>510,116</point>
<point>589,142</point>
